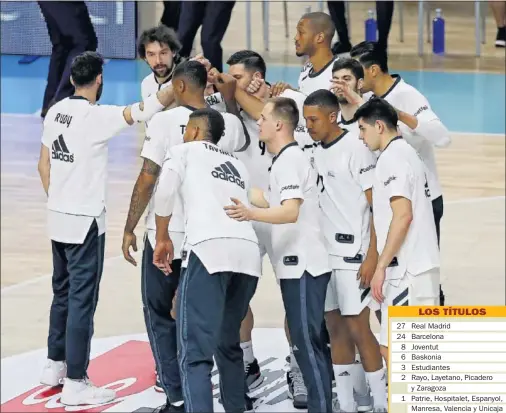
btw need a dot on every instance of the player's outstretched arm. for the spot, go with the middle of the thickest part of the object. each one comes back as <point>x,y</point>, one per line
<point>145,110</point>
<point>141,195</point>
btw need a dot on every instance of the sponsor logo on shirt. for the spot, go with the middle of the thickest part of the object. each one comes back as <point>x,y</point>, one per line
<point>227,172</point>
<point>287,187</point>
<point>60,151</point>
<point>392,178</point>
<point>367,169</point>
<point>423,108</point>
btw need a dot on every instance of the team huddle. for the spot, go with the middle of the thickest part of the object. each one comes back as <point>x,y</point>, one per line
<point>334,179</point>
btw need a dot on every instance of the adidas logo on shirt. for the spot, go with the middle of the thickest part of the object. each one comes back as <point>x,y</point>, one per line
<point>227,172</point>
<point>61,152</point>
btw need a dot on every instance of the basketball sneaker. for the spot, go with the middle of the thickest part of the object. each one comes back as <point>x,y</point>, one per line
<point>77,392</point>
<point>364,402</point>
<point>253,375</point>
<point>53,373</point>
<point>297,390</point>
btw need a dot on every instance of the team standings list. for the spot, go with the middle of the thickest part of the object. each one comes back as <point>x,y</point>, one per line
<point>447,359</point>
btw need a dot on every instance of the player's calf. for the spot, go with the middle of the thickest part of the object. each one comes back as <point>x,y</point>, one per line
<point>370,355</point>
<point>343,359</point>
<point>251,368</point>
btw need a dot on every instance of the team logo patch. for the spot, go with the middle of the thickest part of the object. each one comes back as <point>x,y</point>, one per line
<point>126,365</point>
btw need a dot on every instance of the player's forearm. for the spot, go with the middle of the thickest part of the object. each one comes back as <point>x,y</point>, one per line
<point>397,232</point>
<point>162,228</point>
<point>435,132</point>
<point>252,105</point>
<point>145,110</point>
<point>141,194</point>
<point>283,214</point>
<point>373,245</point>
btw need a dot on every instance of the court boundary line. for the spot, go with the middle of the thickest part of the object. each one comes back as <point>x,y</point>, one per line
<point>483,134</point>
<point>14,287</point>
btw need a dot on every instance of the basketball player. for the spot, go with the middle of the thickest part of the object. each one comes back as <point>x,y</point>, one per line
<point>313,39</point>
<point>419,125</point>
<point>346,168</point>
<point>300,259</point>
<point>165,131</point>
<point>74,176</point>
<point>408,265</point>
<point>347,77</point>
<point>247,66</point>
<point>209,308</point>
<point>159,48</point>
<point>347,80</point>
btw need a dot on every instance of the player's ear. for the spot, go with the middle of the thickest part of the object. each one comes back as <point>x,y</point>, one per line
<point>333,117</point>
<point>72,81</point>
<point>320,38</point>
<point>360,84</point>
<point>99,80</point>
<point>279,125</point>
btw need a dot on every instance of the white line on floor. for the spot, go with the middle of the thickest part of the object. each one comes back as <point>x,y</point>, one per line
<point>15,287</point>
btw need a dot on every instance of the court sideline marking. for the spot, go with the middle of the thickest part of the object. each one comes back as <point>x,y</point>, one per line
<point>14,287</point>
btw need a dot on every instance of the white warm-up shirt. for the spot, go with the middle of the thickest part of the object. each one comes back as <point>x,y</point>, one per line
<point>299,246</point>
<point>77,133</point>
<point>310,81</point>
<point>166,130</point>
<point>346,166</point>
<point>430,131</point>
<point>400,172</point>
<point>207,177</point>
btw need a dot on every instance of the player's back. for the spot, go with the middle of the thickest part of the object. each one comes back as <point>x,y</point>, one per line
<point>165,131</point>
<point>401,172</point>
<point>77,132</point>
<point>210,179</point>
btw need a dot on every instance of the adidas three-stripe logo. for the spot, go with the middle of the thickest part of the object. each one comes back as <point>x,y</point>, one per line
<point>227,172</point>
<point>61,152</point>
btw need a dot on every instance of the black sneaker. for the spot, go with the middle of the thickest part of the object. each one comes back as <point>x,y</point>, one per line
<point>500,40</point>
<point>341,48</point>
<point>170,408</point>
<point>296,388</point>
<point>253,375</point>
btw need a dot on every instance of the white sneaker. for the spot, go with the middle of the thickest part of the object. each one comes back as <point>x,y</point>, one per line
<point>53,373</point>
<point>77,392</point>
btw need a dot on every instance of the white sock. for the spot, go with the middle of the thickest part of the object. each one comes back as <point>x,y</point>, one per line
<point>344,386</point>
<point>359,381</point>
<point>293,360</point>
<point>247,351</point>
<point>378,384</point>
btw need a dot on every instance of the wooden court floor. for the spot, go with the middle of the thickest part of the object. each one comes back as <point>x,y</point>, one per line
<point>473,236</point>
